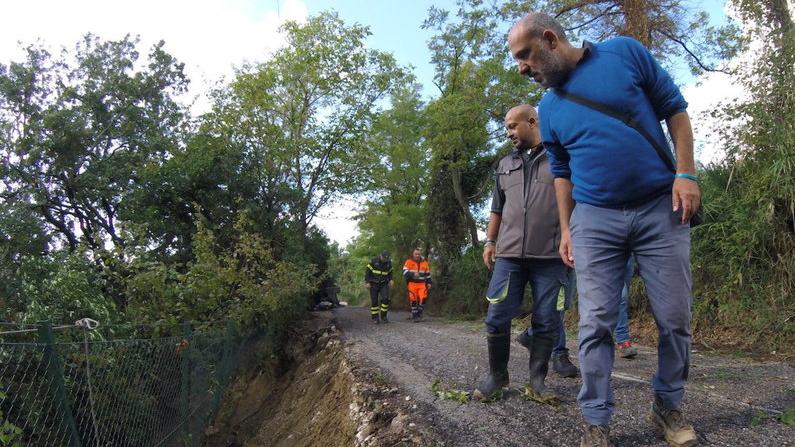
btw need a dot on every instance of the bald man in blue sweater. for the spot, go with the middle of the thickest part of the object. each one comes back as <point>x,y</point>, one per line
<point>631,198</point>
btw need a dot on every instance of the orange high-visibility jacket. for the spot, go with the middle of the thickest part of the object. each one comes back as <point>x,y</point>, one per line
<point>410,267</point>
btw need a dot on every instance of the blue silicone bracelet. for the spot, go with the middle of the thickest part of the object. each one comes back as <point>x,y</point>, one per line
<point>687,176</point>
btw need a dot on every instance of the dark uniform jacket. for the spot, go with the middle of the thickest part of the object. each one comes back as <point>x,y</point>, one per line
<point>378,271</point>
<point>530,227</point>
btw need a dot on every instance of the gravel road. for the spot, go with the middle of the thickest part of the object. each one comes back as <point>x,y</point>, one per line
<point>731,401</point>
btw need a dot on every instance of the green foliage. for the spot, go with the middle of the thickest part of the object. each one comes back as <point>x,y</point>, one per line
<point>547,399</point>
<point>394,217</point>
<point>788,416</point>
<point>10,434</point>
<point>76,130</point>
<point>300,120</point>
<point>743,264</point>
<point>450,394</point>
<point>478,85</point>
<point>61,287</point>
<point>243,282</point>
<point>114,208</point>
<point>22,235</point>
<point>347,268</point>
<point>758,417</point>
<point>468,292</point>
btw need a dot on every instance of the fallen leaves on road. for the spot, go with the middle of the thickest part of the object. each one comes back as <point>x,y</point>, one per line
<point>449,394</point>
<point>548,399</point>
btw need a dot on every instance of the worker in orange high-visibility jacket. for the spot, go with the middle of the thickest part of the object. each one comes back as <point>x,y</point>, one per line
<point>417,272</point>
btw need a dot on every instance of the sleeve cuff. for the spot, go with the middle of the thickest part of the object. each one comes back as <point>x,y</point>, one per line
<point>674,111</point>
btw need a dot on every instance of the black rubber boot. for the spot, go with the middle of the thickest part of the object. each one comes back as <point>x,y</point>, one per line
<point>525,340</point>
<point>539,362</point>
<point>499,352</point>
<point>383,317</point>
<point>420,308</point>
<point>563,366</point>
<point>375,319</point>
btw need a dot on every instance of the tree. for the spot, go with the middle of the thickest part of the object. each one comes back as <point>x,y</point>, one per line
<point>302,117</point>
<point>674,30</point>
<point>744,251</point>
<point>477,85</point>
<point>78,129</point>
<point>394,217</point>
<point>22,236</point>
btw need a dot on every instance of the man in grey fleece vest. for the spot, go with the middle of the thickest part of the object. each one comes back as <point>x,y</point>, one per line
<point>521,247</point>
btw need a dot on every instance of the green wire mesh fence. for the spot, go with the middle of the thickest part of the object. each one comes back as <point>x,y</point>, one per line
<point>119,386</point>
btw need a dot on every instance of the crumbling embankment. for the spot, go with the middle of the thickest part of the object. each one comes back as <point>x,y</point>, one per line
<point>312,396</point>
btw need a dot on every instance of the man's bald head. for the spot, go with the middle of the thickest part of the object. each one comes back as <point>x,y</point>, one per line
<point>539,46</point>
<point>534,24</point>
<point>522,112</point>
<point>521,123</point>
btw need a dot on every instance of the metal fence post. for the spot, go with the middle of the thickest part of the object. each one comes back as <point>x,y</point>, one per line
<point>57,386</point>
<point>184,394</point>
<point>231,333</point>
<point>224,369</point>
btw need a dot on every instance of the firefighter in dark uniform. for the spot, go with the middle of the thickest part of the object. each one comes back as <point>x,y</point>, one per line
<point>378,278</point>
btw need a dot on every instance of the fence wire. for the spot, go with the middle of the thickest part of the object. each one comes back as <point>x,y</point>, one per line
<point>74,387</point>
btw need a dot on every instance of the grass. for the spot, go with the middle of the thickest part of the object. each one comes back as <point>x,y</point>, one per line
<point>786,417</point>
<point>380,380</point>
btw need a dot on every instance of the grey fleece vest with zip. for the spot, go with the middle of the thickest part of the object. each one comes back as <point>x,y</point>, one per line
<point>530,227</point>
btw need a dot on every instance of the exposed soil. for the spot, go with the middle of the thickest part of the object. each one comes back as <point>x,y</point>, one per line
<point>313,397</point>
<point>348,382</point>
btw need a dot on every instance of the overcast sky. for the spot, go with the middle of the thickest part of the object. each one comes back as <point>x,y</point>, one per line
<point>212,37</point>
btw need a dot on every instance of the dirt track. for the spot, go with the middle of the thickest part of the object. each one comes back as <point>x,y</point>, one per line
<point>730,401</point>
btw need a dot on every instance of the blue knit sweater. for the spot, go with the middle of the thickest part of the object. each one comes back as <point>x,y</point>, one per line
<point>609,163</point>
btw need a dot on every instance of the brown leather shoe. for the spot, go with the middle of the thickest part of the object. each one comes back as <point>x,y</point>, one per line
<point>596,436</point>
<point>673,425</point>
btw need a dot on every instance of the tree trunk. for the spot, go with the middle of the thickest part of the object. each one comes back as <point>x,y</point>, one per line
<point>455,176</point>
<point>780,17</point>
<point>636,21</point>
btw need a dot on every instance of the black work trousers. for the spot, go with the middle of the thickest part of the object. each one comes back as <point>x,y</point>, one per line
<point>379,290</point>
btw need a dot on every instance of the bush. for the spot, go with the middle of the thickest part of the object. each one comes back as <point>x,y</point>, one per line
<point>243,282</point>
<point>62,287</point>
<point>465,296</point>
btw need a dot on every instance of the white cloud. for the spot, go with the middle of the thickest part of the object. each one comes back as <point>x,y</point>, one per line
<point>210,37</point>
<point>338,221</point>
<point>713,90</point>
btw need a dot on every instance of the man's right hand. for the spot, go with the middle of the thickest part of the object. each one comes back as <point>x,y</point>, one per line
<point>566,250</point>
<point>367,285</point>
<point>488,256</point>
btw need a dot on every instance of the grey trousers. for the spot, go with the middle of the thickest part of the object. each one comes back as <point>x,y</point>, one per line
<point>603,239</point>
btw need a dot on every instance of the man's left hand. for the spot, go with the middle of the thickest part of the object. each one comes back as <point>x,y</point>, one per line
<point>391,283</point>
<point>687,196</point>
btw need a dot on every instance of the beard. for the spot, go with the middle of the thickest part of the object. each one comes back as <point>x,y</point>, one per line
<point>553,72</point>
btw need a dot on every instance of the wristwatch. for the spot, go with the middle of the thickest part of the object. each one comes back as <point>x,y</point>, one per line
<point>490,242</point>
